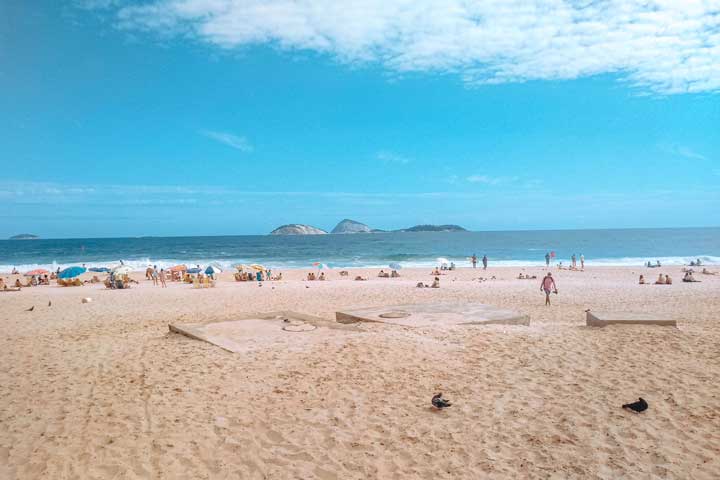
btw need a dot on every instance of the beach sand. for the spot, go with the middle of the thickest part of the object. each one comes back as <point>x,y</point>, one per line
<point>104,390</point>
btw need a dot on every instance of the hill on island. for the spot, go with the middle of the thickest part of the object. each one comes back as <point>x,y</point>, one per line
<point>24,236</point>
<point>297,229</point>
<point>351,226</point>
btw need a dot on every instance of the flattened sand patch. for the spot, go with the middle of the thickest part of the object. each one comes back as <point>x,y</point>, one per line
<point>435,314</point>
<point>601,319</point>
<point>286,330</point>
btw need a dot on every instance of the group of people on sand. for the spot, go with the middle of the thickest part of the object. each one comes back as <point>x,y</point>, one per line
<point>662,280</point>
<point>523,276</point>
<point>392,274</point>
<point>474,261</point>
<point>434,284</point>
<point>312,277</point>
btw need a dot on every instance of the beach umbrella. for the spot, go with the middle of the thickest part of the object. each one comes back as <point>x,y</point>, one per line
<point>122,270</point>
<point>442,260</point>
<point>71,272</point>
<point>178,268</point>
<point>99,269</point>
<point>257,267</point>
<point>395,266</point>
<point>321,266</point>
<point>242,266</point>
<point>194,270</point>
<point>38,271</point>
<point>212,270</point>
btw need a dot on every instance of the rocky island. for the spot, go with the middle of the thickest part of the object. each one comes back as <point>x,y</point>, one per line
<point>24,236</point>
<point>351,226</point>
<point>297,229</point>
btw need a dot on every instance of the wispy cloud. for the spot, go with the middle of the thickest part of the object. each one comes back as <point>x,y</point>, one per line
<point>665,47</point>
<point>682,151</point>
<point>390,157</point>
<point>488,180</point>
<point>229,139</point>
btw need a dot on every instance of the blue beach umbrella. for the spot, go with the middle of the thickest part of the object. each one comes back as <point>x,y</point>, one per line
<point>72,272</point>
<point>194,270</point>
<point>395,266</point>
<point>212,270</point>
<point>99,269</point>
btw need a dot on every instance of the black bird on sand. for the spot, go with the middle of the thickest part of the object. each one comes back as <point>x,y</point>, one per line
<point>439,402</point>
<point>640,406</point>
<point>49,303</point>
<point>30,309</point>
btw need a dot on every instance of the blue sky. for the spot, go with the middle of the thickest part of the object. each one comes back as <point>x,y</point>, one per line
<point>186,117</point>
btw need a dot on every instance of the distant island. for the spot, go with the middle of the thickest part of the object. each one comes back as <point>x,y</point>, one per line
<point>24,236</point>
<point>351,226</point>
<point>348,226</point>
<point>297,229</point>
<point>433,228</point>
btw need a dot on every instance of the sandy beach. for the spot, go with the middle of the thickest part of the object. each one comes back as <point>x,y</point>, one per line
<point>104,390</point>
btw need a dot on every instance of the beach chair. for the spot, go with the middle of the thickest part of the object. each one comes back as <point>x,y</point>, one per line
<point>196,283</point>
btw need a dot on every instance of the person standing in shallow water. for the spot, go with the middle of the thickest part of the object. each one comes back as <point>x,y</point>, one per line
<point>473,259</point>
<point>548,286</point>
<point>547,259</point>
<point>484,262</point>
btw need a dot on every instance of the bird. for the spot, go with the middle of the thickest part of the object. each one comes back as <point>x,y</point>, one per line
<point>640,406</point>
<point>439,402</point>
<point>30,309</point>
<point>49,303</point>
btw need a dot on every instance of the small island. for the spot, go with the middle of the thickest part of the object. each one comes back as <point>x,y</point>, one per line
<point>24,236</point>
<point>434,228</point>
<point>297,229</point>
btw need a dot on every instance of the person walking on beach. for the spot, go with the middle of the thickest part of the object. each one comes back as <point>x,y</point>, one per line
<point>582,262</point>
<point>547,259</point>
<point>473,259</point>
<point>162,278</point>
<point>484,262</point>
<point>548,286</point>
<point>154,275</point>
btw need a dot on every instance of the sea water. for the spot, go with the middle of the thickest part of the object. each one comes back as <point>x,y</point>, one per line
<point>631,247</point>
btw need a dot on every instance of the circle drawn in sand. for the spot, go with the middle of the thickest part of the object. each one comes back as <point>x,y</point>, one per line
<point>299,327</point>
<point>395,314</point>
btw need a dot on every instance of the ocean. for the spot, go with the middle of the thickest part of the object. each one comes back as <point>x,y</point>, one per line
<point>631,247</point>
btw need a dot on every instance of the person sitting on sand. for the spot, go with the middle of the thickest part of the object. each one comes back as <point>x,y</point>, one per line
<point>436,283</point>
<point>18,284</point>
<point>322,276</point>
<point>383,274</point>
<point>344,273</point>
<point>548,286</point>
<point>310,277</point>
<point>420,285</point>
<point>394,274</point>
<point>452,265</point>
<point>660,280</point>
<point>14,271</point>
<point>705,271</point>
<point>668,280</point>
<point>642,280</point>
<point>689,278</point>
<point>435,272</point>
<point>521,276</point>
<point>360,279</point>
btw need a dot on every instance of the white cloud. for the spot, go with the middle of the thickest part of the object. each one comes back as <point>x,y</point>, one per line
<point>234,141</point>
<point>689,153</point>
<point>390,157</point>
<point>488,180</point>
<point>660,46</point>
